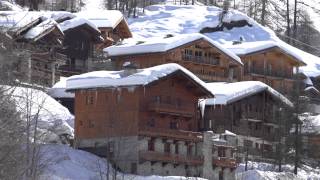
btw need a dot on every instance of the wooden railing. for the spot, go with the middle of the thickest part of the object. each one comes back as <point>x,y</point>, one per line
<point>184,109</point>
<point>171,133</point>
<point>273,73</point>
<point>224,162</point>
<point>201,60</point>
<point>169,158</point>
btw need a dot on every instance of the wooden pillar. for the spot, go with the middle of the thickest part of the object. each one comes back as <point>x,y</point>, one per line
<point>29,73</point>
<point>53,73</point>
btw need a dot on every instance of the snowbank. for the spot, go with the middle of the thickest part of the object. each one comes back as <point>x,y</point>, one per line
<point>53,119</point>
<point>265,171</point>
<point>64,163</point>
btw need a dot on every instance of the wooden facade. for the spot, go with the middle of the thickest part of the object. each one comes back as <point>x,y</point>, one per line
<point>166,107</point>
<point>115,34</point>
<point>79,46</point>
<point>200,57</point>
<point>271,66</point>
<point>256,119</point>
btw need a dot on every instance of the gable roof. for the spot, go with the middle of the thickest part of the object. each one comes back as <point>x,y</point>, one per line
<point>143,77</point>
<point>227,93</point>
<point>102,18</point>
<point>248,48</point>
<point>158,45</point>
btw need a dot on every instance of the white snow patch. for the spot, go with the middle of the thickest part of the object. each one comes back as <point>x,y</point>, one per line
<point>226,93</point>
<point>110,79</point>
<point>102,18</point>
<point>53,118</point>
<point>163,44</point>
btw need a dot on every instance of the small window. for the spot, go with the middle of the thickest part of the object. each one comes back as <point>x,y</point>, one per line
<point>173,125</point>
<point>151,122</point>
<point>151,145</point>
<point>91,124</point>
<point>176,148</point>
<point>221,152</point>
<point>167,147</point>
<point>110,149</point>
<point>89,99</point>
<point>133,168</point>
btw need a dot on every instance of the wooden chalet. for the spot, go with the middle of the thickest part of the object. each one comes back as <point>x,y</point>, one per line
<point>252,110</point>
<point>42,37</point>
<point>80,37</point>
<point>111,23</point>
<point>269,62</point>
<point>145,121</point>
<point>199,54</point>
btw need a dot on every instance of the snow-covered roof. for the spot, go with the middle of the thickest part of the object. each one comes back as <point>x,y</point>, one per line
<point>59,90</point>
<point>75,22</point>
<point>246,48</point>
<point>14,20</point>
<point>155,45</point>
<point>8,6</point>
<point>226,93</point>
<point>42,29</point>
<point>102,18</point>
<point>111,79</point>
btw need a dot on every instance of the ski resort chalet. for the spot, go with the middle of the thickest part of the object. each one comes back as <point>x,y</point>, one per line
<point>111,23</point>
<point>252,110</point>
<point>70,43</point>
<point>269,62</point>
<point>146,121</point>
<point>199,54</point>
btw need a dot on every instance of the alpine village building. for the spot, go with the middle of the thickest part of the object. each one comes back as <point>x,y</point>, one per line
<point>269,62</point>
<point>146,121</point>
<point>70,44</point>
<point>204,57</point>
<point>252,110</point>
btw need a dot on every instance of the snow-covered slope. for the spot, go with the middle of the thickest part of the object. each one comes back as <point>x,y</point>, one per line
<point>53,119</point>
<point>265,171</point>
<point>161,20</point>
<point>65,163</point>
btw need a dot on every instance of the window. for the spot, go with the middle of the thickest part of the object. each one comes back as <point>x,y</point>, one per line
<point>189,150</point>
<point>151,122</point>
<point>257,145</point>
<point>133,168</point>
<point>89,99</point>
<point>221,175</point>
<point>90,124</point>
<point>173,125</point>
<point>110,149</point>
<point>176,150</point>
<point>221,152</point>
<point>167,147</point>
<point>151,145</point>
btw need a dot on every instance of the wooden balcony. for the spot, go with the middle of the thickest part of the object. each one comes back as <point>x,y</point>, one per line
<point>184,110</point>
<point>170,133</point>
<point>224,162</point>
<point>201,60</point>
<point>169,158</point>
<point>272,74</point>
<point>68,70</point>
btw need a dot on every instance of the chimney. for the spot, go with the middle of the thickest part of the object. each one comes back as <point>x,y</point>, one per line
<point>129,68</point>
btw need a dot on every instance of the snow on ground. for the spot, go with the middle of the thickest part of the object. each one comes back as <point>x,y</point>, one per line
<point>53,118</point>
<point>311,124</point>
<point>265,171</point>
<point>161,20</point>
<point>66,163</point>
